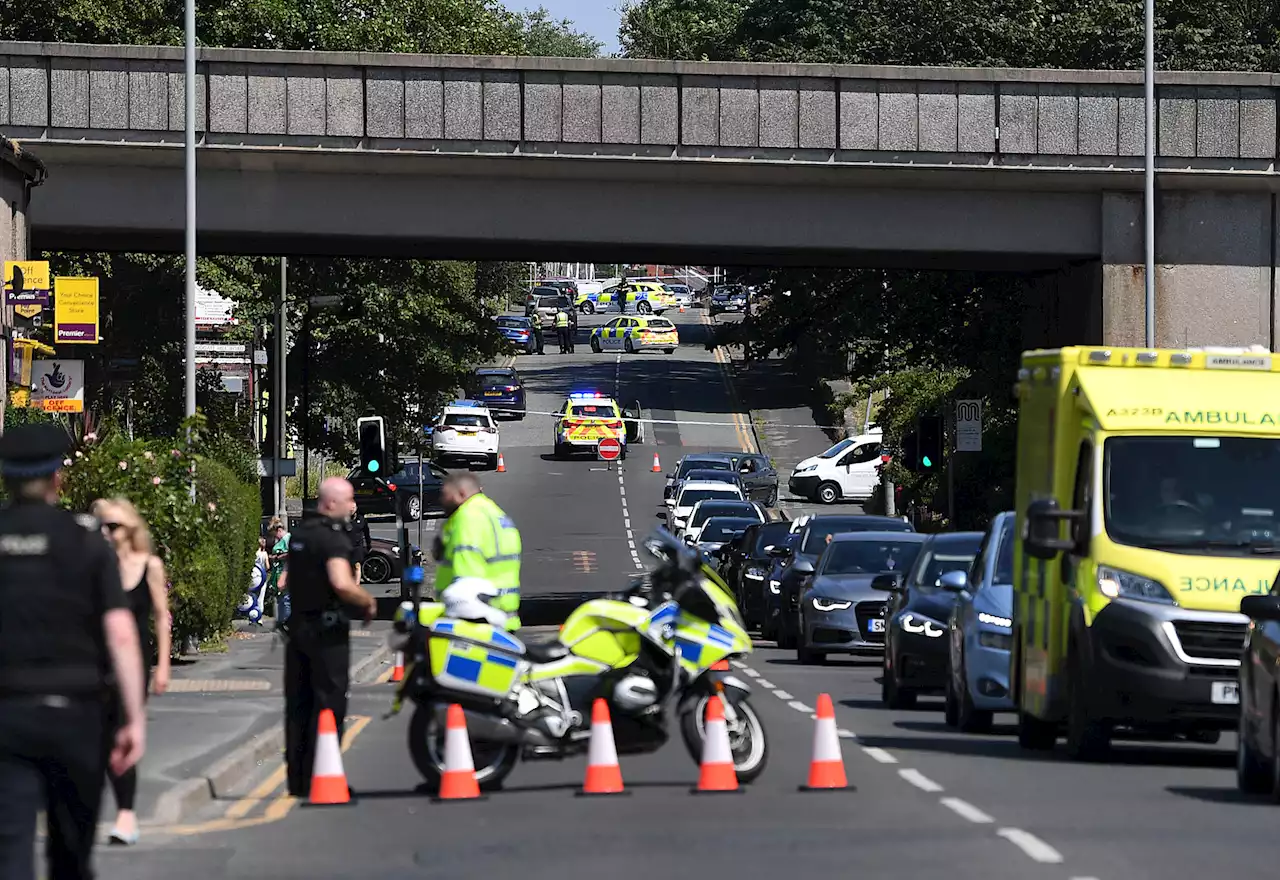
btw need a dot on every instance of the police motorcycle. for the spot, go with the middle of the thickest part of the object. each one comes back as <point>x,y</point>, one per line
<point>657,653</point>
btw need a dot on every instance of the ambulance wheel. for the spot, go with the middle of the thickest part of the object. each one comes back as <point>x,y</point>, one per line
<point>493,761</point>
<point>1088,737</point>
<point>587,308</point>
<point>595,345</point>
<point>828,493</point>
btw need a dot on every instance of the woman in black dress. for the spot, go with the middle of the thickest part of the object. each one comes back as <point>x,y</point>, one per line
<point>143,576</point>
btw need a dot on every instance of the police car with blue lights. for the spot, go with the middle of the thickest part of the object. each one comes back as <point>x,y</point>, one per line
<point>465,431</point>
<point>586,418</point>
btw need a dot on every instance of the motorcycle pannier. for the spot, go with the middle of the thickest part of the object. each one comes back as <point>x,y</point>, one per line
<point>475,658</point>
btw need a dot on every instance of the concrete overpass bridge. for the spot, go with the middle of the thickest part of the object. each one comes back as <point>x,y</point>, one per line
<point>531,158</point>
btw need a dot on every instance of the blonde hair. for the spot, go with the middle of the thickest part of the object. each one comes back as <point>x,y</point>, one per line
<point>139,534</point>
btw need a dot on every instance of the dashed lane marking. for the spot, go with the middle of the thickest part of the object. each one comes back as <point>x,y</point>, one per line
<point>749,672</point>
<point>1033,846</point>
<point>966,810</point>
<point>846,734</point>
<point>919,780</point>
<point>783,695</point>
<point>880,755</point>
<point>767,685</point>
<point>800,707</point>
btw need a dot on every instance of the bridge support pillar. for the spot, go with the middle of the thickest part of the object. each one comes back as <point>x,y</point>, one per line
<point>1215,269</point>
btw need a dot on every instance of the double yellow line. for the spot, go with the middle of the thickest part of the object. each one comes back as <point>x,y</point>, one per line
<point>741,423</point>
<point>238,815</point>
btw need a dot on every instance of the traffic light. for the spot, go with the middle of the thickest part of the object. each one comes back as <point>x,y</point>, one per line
<point>930,443</point>
<point>374,459</point>
<point>909,455</point>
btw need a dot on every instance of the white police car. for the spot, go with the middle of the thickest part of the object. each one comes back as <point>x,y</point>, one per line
<point>466,432</point>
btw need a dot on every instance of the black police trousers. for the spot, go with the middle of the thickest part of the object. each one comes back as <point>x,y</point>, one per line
<point>53,754</point>
<point>316,676</point>
<point>565,338</point>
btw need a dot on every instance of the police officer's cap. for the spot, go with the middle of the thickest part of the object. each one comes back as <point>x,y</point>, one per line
<point>32,451</point>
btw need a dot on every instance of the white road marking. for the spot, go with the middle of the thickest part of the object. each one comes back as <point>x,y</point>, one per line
<point>966,810</point>
<point>846,734</point>
<point>782,695</point>
<point>880,755</point>
<point>738,664</point>
<point>749,672</point>
<point>767,685</point>
<point>1033,846</point>
<point>626,521</point>
<point>919,780</point>
<point>801,707</point>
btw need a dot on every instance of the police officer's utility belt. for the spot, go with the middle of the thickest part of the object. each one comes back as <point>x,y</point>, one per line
<point>331,619</point>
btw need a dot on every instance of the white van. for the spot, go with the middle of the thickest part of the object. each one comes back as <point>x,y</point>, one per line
<point>847,470</point>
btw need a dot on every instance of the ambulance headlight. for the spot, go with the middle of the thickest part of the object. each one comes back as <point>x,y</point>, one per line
<point>1116,584</point>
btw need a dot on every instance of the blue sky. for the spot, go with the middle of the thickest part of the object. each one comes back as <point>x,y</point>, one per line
<point>597,17</point>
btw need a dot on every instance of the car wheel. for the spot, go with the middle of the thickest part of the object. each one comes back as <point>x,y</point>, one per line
<point>643,308</point>
<point>1253,774</point>
<point>376,569</point>
<point>828,493</point>
<point>588,308</point>
<point>595,345</point>
<point>413,508</point>
<point>950,710</point>
<point>627,344</point>
<point>773,497</point>
<point>1275,757</point>
<point>893,696</point>
<point>492,463</point>
<point>1088,737</point>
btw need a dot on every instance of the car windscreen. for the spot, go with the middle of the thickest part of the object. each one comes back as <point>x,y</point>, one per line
<point>837,449</point>
<point>660,324</point>
<point>821,530</point>
<point>702,464</point>
<point>690,497</point>
<point>722,508</point>
<point>721,528</point>
<point>1207,495</point>
<point>466,420</point>
<point>1004,562</point>
<point>941,560</point>
<point>776,533</point>
<point>591,411</point>
<point>870,556</point>
<point>725,476</point>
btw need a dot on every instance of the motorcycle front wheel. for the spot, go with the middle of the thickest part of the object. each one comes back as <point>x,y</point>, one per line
<point>747,738</point>
<point>493,761</point>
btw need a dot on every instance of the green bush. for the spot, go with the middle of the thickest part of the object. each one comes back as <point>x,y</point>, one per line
<point>207,544</point>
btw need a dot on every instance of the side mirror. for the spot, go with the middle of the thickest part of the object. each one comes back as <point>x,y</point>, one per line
<point>1042,537</point>
<point>954,581</point>
<point>889,582</point>
<point>779,552</point>
<point>1261,607</point>
<point>803,566</point>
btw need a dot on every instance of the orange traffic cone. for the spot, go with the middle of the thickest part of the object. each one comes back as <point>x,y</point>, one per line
<point>657,468</point>
<point>826,770</point>
<point>604,776</point>
<point>717,773</point>
<point>502,465</point>
<point>397,672</point>
<point>459,779</point>
<point>328,780</point>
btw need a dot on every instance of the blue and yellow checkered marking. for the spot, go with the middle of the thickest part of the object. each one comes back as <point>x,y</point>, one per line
<point>690,651</point>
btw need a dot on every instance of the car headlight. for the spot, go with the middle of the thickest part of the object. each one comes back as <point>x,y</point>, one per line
<point>755,574</point>
<point>775,587</point>
<point>998,641</point>
<point>830,604</point>
<point>1116,584</point>
<point>918,624</point>
<point>806,469</point>
<point>993,620</point>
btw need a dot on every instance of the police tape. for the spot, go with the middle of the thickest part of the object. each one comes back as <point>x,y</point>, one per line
<point>559,414</point>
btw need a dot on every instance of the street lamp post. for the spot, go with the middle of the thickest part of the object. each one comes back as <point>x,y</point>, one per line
<point>1149,188</point>
<point>190,119</point>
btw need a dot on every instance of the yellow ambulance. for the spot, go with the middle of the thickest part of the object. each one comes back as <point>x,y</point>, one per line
<point>1148,505</point>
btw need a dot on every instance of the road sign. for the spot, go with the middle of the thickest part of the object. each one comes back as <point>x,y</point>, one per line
<point>968,426</point>
<point>608,449</point>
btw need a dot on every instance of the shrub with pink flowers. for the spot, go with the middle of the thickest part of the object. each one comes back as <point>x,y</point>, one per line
<point>208,543</point>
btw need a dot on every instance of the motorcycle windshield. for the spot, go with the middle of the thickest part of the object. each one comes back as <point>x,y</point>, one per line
<point>711,600</point>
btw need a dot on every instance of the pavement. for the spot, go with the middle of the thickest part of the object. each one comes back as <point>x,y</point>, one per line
<point>928,802</point>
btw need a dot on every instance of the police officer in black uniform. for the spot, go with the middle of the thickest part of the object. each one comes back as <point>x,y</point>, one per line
<point>69,663</point>
<point>357,530</point>
<point>321,579</point>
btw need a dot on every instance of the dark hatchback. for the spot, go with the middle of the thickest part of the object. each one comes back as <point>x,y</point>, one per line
<point>518,332</point>
<point>500,389</point>
<point>917,618</point>
<point>798,560</point>
<point>729,298</point>
<point>1258,737</point>
<point>745,565</point>
<point>401,492</point>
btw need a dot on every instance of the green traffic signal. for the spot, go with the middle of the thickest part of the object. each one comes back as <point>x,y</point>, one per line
<point>373,466</point>
<point>927,461</point>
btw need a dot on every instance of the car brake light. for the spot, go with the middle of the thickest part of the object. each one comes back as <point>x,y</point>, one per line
<point>613,425</point>
<point>490,430</point>
<point>391,486</point>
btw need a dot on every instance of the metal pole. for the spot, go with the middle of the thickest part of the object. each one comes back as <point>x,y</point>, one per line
<point>948,445</point>
<point>1149,189</point>
<point>282,349</point>
<point>306,403</point>
<point>190,119</point>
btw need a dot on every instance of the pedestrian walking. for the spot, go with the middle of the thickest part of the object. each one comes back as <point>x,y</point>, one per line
<point>358,534</point>
<point>69,651</point>
<point>145,585</point>
<point>320,577</point>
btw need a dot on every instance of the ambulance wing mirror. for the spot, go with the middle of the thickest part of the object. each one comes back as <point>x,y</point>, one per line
<point>1043,537</point>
